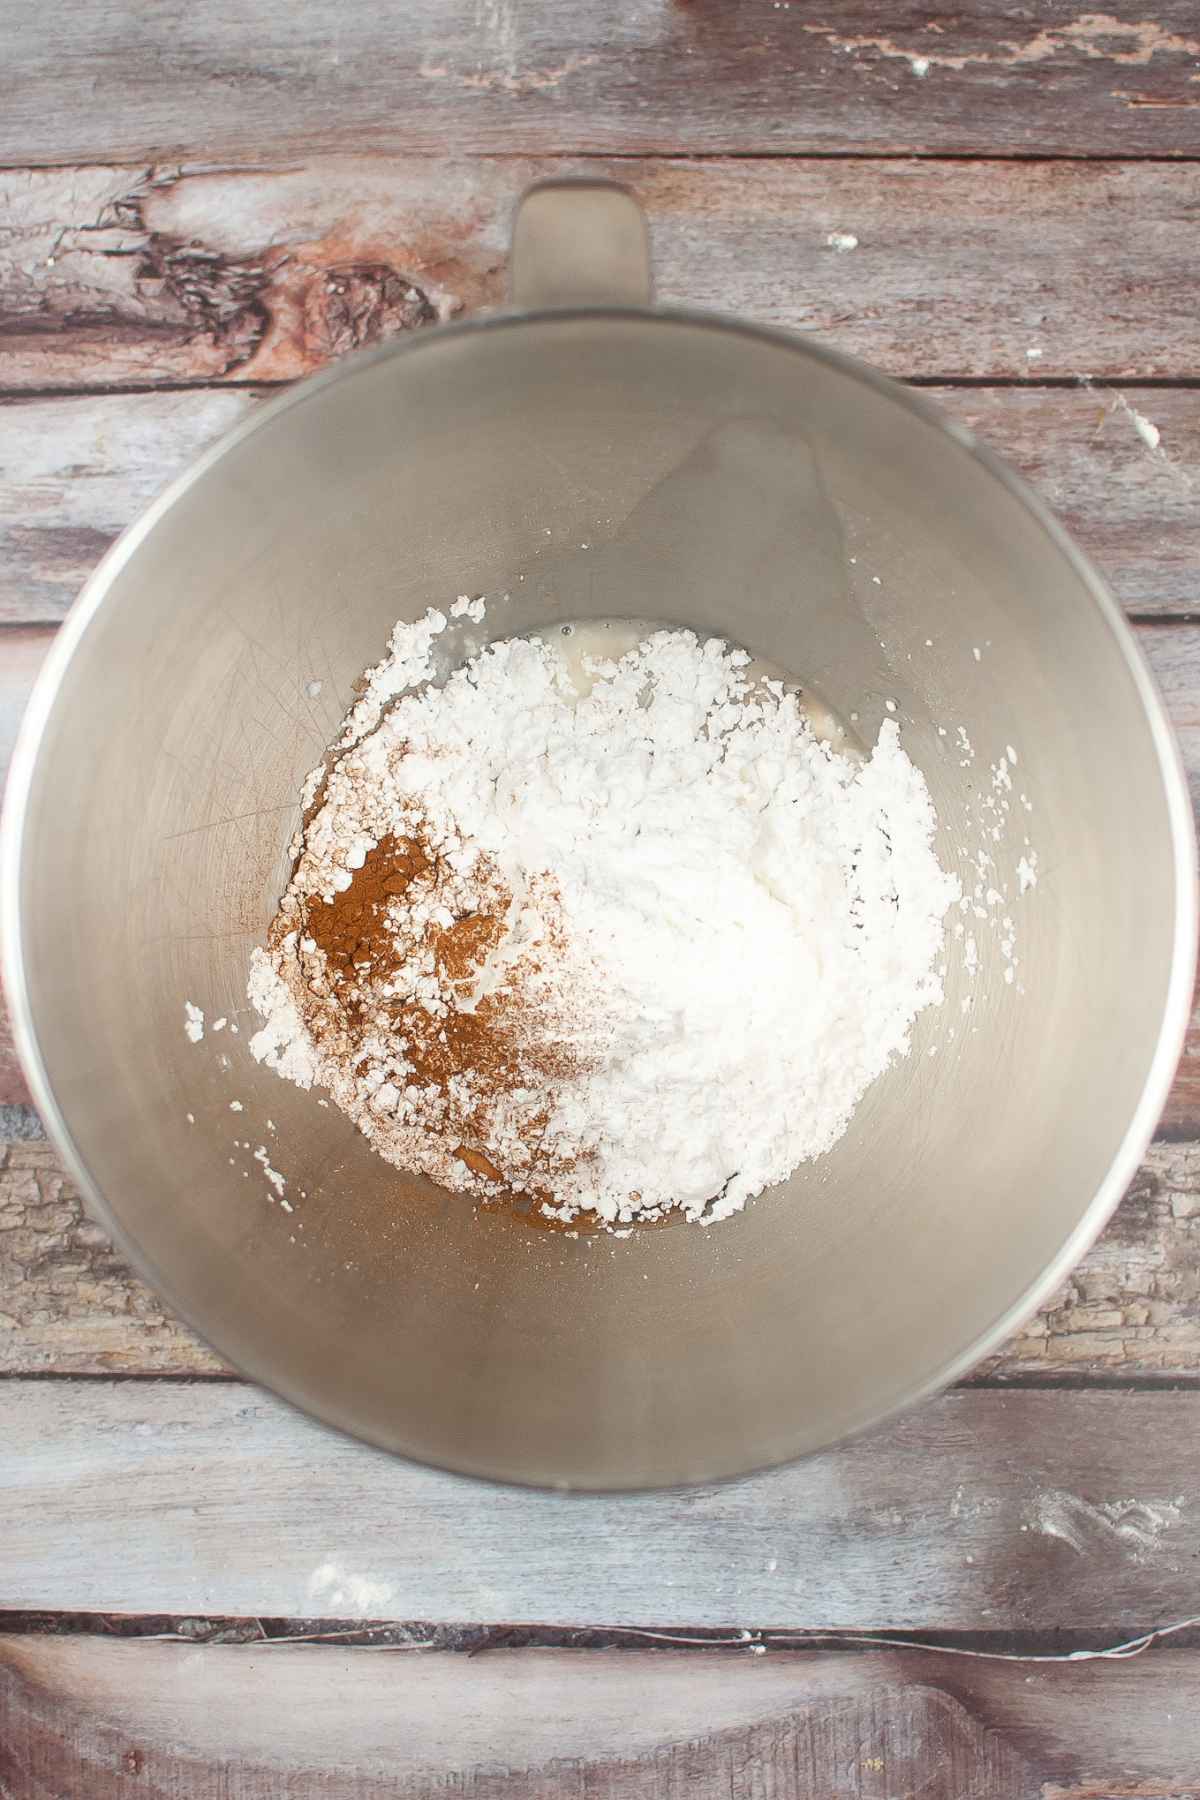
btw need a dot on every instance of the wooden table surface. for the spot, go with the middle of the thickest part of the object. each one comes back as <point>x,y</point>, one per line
<point>202,1593</point>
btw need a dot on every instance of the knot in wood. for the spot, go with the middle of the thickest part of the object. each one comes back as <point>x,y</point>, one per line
<point>362,303</point>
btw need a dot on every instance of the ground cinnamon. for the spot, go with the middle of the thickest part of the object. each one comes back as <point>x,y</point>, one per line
<point>352,928</point>
<point>393,912</point>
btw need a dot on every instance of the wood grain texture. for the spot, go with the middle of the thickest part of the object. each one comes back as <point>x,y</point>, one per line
<point>75,470</point>
<point>68,1302</point>
<point>212,1498</point>
<point>602,76</point>
<point>1173,653</point>
<point>70,1305</point>
<point>1181,1115</point>
<point>22,651</point>
<point>1131,507</point>
<point>143,275</point>
<point>1133,1304</point>
<point>82,1716</point>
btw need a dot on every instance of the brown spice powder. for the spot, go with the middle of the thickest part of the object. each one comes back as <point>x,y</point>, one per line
<point>352,927</point>
<point>367,933</point>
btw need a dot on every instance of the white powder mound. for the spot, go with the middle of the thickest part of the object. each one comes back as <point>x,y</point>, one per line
<point>728,926</point>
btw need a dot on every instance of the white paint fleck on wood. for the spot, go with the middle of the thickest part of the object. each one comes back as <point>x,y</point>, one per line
<point>1120,1528</point>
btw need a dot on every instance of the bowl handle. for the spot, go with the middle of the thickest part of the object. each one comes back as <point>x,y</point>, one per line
<point>579,243</point>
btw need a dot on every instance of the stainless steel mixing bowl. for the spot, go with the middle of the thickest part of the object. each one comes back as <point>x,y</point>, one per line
<point>736,480</point>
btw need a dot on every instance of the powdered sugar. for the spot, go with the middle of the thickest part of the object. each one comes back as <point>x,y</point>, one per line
<point>282,1043</point>
<point>263,1159</point>
<point>719,929</point>
<point>466,608</point>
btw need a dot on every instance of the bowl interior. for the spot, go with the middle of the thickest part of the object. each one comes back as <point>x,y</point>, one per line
<point>733,483</point>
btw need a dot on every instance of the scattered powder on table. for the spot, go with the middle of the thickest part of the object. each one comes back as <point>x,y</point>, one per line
<point>623,945</point>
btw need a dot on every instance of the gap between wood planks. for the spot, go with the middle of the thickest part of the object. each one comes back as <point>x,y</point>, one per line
<point>587,154</point>
<point>119,390</point>
<point>1047,1646</point>
<point>1065,1381</point>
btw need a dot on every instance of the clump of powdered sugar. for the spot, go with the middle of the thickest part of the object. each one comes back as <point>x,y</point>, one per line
<point>720,929</point>
<point>282,1043</point>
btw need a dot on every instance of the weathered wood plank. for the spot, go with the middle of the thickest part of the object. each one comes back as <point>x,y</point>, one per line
<point>1179,680</point>
<point>70,1305</point>
<point>1132,1306</point>
<point>1173,652</point>
<point>1181,1115</point>
<point>1130,506</point>
<point>74,470</point>
<point>22,651</point>
<point>143,275</point>
<point>68,1301</point>
<point>87,1716</point>
<point>210,1497</point>
<point>697,74</point>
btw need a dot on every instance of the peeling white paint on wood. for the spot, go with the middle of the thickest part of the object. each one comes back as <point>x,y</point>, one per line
<point>439,76</point>
<point>1121,1528</point>
<point>1101,37</point>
